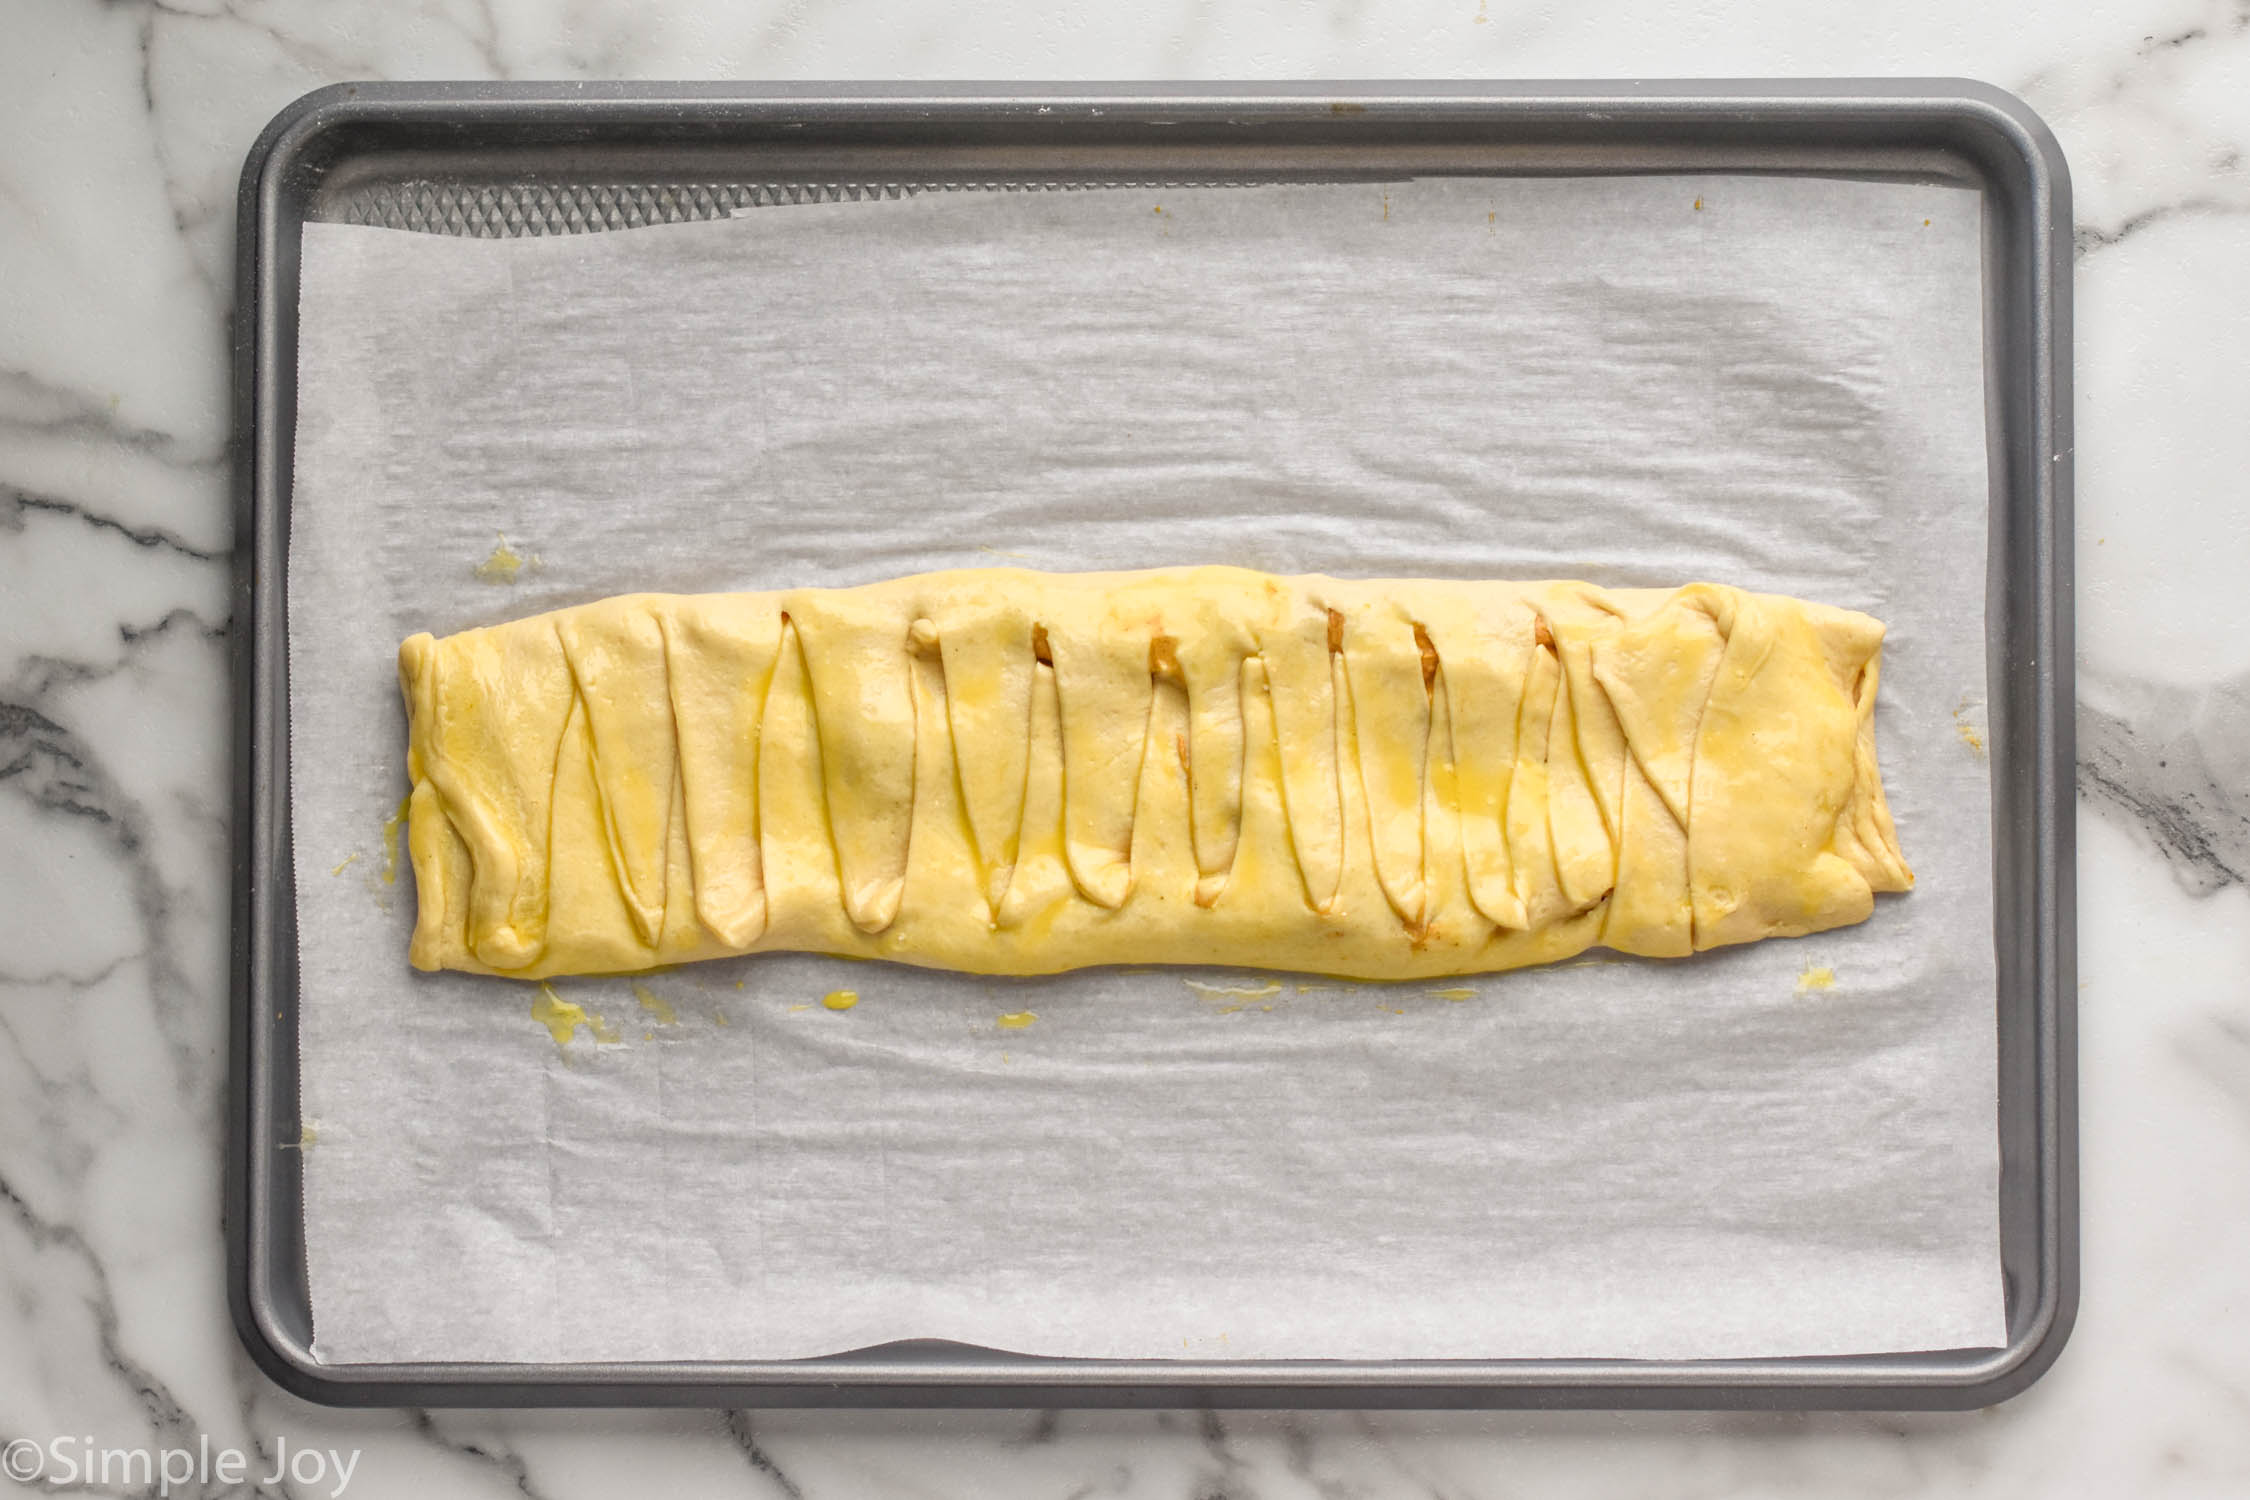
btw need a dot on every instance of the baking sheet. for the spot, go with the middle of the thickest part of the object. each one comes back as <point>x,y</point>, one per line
<point>1770,381</point>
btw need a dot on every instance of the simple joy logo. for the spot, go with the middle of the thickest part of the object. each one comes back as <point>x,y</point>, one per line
<point>71,1460</point>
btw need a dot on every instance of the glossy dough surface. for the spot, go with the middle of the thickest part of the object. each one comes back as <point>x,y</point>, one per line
<point>1007,772</point>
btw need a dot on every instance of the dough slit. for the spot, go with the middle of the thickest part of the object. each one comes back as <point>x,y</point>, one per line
<point>1585,844</point>
<point>1212,680</point>
<point>855,653</point>
<point>1388,700</point>
<point>987,646</point>
<point>1163,854</point>
<point>942,864</point>
<point>1656,672</point>
<point>1042,875</point>
<point>803,881</point>
<point>1594,732</point>
<point>1103,689</point>
<point>720,654</point>
<point>1530,842</point>
<point>1301,687</point>
<point>931,686</point>
<point>1722,619</point>
<point>1447,910</point>
<point>1483,641</point>
<point>617,661</point>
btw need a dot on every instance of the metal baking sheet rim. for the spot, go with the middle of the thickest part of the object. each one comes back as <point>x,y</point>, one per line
<point>1823,125</point>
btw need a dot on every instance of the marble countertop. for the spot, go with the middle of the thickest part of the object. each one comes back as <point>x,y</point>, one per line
<point>122,129</point>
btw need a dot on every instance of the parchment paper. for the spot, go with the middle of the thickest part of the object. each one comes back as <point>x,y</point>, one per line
<point>1639,381</point>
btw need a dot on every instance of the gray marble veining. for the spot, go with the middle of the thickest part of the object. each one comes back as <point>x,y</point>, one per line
<point>122,128</point>
<point>2173,764</point>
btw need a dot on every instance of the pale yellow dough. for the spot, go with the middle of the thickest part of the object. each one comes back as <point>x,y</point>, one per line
<point>1008,772</point>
